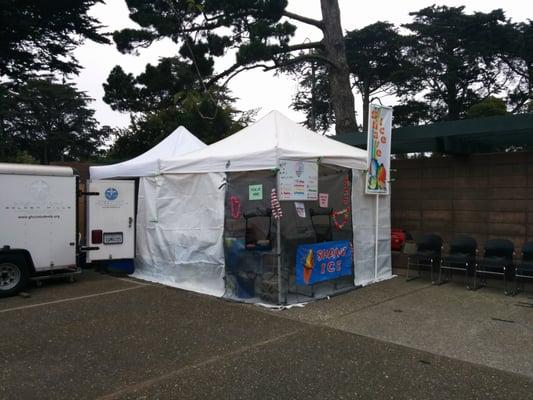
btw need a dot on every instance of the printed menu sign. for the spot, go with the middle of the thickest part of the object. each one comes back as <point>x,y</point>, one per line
<point>298,180</point>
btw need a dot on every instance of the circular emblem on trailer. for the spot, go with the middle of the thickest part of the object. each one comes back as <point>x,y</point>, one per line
<point>40,190</point>
<point>111,193</point>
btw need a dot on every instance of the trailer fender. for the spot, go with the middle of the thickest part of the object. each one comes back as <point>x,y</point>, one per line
<point>22,255</point>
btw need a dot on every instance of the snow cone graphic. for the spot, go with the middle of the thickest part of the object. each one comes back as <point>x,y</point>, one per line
<point>382,177</point>
<point>373,171</point>
<point>308,266</point>
<point>299,168</point>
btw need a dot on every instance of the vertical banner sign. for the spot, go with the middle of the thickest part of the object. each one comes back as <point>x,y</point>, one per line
<point>378,145</point>
<point>324,261</point>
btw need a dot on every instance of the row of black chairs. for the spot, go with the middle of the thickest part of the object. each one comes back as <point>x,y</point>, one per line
<point>498,259</point>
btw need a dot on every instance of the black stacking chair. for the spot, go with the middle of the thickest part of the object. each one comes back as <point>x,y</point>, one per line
<point>258,246</point>
<point>497,261</point>
<point>462,257</point>
<point>323,232</point>
<point>428,252</point>
<point>258,233</point>
<point>524,270</point>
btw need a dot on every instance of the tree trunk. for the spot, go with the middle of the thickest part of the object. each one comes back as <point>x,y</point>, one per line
<point>454,107</point>
<point>366,106</point>
<point>3,141</point>
<point>530,88</point>
<point>339,75</point>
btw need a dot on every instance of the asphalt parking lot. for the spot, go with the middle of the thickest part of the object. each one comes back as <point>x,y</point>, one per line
<point>105,337</point>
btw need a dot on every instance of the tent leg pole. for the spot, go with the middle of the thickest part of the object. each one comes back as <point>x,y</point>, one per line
<point>376,237</point>
<point>278,247</point>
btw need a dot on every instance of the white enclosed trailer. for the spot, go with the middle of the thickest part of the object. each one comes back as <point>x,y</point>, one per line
<point>38,224</point>
<point>111,221</point>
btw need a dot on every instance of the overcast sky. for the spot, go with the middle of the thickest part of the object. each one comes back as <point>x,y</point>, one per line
<point>254,89</point>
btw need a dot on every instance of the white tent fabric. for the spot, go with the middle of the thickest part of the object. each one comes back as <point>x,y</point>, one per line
<point>261,145</point>
<point>364,234</point>
<point>181,236</point>
<point>179,142</point>
<point>180,228</point>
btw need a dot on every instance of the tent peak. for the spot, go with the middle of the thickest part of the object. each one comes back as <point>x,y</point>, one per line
<point>177,143</point>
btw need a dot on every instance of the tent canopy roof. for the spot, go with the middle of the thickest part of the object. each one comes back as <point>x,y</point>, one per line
<point>261,145</point>
<point>179,142</point>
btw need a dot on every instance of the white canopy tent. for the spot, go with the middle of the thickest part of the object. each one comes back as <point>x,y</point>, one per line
<point>181,238</point>
<point>158,244</point>
<point>261,145</point>
<point>179,142</point>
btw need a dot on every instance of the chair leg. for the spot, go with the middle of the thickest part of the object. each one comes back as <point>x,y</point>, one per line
<point>516,283</point>
<point>440,273</point>
<point>432,263</point>
<point>515,290</point>
<point>512,271</point>
<point>475,279</point>
<point>408,267</point>
<point>505,282</point>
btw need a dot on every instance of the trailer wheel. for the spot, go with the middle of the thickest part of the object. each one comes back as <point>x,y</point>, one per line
<point>13,275</point>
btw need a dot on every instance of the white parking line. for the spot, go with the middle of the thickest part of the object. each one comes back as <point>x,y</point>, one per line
<point>129,280</point>
<point>144,385</point>
<point>88,296</point>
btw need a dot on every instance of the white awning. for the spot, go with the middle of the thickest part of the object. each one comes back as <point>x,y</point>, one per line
<point>179,142</point>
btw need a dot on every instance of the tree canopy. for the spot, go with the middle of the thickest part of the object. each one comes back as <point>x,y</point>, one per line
<point>257,31</point>
<point>163,97</point>
<point>312,97</point>
<point>40,35</point>
<point>518,56</point>
<point>457,57</point>
<point>50,121</point>
<point>446,63</point>
<point>377,60</point>
<point>376,56</point>
<point>41,119</point>
<point>488,107</point>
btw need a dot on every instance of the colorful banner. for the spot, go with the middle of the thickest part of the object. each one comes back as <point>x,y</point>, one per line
<point>320,262</point>
<point>378,145</point>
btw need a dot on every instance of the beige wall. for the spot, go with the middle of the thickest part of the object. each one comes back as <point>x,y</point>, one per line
<point>483,195</point>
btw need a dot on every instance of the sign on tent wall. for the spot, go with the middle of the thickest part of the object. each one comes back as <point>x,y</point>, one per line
<point>298,180</point>
<point>378,145</point>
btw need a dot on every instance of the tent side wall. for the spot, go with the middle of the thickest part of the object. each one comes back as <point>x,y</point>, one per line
<point>364,231</point>
<point>180,227</point>
<point>180,232</point>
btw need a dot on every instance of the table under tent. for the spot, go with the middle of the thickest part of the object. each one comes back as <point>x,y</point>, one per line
<point>274,214</point>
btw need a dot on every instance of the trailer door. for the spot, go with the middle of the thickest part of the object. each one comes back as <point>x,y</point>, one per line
<point>110,219</point>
